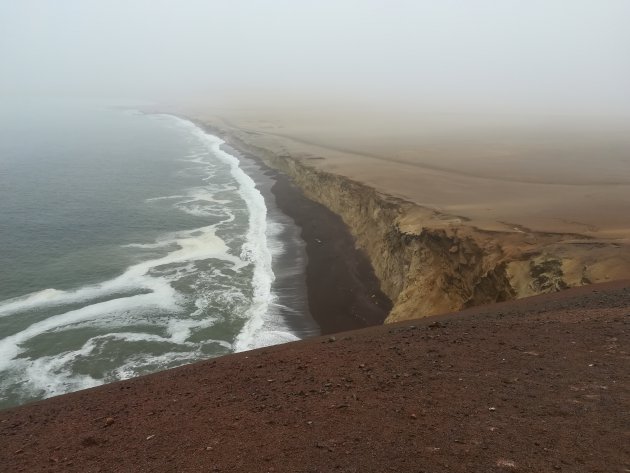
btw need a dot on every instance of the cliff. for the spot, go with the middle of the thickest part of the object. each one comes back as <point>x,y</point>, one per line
<point>430,262</point>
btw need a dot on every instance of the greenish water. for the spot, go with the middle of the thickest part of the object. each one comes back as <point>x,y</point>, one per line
<point>130,243</point>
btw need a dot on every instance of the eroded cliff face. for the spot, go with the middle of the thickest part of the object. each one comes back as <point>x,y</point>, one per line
<point>428,262</point>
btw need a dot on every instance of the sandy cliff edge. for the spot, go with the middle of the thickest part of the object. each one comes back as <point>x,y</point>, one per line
<point>429,260</point>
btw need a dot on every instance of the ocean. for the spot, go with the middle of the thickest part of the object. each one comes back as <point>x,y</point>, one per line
<point>132,243</point>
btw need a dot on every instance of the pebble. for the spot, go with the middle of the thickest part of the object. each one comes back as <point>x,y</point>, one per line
<point>501,463</point>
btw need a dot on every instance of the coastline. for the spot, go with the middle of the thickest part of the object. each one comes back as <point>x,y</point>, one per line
<point>344,295</point>
<point>288,257</point>
<point>339,284</point>
<point>430,261</point>
<point>536,384</point>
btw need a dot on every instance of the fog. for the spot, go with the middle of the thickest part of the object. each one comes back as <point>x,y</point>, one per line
<point>565,57</point>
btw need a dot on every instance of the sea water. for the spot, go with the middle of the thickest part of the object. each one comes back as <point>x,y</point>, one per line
<point>129,243</point>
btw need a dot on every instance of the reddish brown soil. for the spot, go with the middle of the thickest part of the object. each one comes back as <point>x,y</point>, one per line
<point>537,385</point>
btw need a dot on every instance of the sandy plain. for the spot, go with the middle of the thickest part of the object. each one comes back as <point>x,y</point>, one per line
<point>543,173</point>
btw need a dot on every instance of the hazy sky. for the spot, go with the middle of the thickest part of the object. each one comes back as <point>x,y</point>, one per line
<point>504,55</point>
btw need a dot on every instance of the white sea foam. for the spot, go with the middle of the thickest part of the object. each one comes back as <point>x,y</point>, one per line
<point>149,246</point>
<point>274,229</point>
<point>53,375</point>
<point>10,346</point>
<point>48,375</point>
<point>166,197</point>
<point>193,245</point>
<point>202,203</point>
<point>263,326</point>
<point>116,304</point>
<point>199,244</point>
<point>135,365</point>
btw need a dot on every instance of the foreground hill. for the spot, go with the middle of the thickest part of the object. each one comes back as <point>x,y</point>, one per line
<point>539,384</point>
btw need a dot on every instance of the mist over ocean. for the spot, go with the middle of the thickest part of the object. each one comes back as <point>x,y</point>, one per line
<point>130,243</point>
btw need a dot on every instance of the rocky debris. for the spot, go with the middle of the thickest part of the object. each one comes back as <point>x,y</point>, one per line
<point>509,464</point>
<point>89,441</point>
<point>393,398</point>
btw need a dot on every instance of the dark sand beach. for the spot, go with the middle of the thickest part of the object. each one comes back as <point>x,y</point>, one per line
<point>343,292</point>
<point>535,385</point>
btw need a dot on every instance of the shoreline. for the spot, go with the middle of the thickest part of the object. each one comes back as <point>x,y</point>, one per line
<point>294,287</point>
<point>429,261</point>
<point>342,290</point>
<point>288,257</point>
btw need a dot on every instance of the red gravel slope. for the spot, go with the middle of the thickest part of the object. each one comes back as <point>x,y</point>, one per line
<point>534,385</point>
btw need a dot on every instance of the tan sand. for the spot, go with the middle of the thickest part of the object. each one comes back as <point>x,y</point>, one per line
<point>468,210</point>
<point>570,178</point>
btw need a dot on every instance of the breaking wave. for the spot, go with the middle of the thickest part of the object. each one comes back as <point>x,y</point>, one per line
<point>157,312</point>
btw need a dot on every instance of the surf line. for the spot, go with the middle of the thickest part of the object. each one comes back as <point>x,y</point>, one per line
<point>263,325</point>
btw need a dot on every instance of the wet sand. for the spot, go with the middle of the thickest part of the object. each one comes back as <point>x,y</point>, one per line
<point>533,385</point>
<point>342,291</point>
